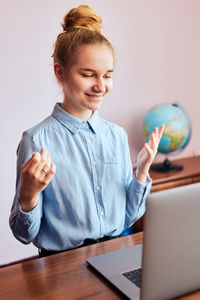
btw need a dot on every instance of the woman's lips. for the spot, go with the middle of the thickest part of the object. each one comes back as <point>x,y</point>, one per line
<point>95,97</point>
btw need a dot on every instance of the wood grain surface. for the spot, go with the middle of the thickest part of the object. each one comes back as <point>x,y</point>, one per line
<point>66,275</point>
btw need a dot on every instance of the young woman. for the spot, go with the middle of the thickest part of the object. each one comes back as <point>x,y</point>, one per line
<point>75,183</point>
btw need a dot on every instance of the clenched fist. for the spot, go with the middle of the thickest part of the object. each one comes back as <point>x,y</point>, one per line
<point>36,173</point>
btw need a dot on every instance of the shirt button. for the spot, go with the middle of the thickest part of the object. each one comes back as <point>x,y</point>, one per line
<point>97,188</point>
<point>101,213</point>
<point>94,163</point>
<point>89,141</point>
<point>84,124</point>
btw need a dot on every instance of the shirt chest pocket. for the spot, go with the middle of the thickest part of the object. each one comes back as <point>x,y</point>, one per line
<point>113,170</point>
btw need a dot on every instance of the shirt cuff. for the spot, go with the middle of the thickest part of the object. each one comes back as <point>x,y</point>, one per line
<point>26,216</point>
<point>143,185</point>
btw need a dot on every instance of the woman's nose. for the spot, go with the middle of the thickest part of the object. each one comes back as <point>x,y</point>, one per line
<point>99,86</point>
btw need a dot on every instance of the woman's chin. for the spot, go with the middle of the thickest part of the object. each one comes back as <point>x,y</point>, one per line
<point>96,105</point>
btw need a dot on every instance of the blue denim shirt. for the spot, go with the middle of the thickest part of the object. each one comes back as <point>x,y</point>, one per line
<point>93,192</point>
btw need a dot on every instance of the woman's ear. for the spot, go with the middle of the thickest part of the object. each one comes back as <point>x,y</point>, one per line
<point>58,71</point>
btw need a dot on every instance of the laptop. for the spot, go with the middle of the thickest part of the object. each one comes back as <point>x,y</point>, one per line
<point>167,265</point>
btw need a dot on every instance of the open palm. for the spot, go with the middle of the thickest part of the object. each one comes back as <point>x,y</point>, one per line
<point>148,152</point>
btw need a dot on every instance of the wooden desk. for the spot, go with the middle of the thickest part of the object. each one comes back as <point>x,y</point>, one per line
<point>65,275</point>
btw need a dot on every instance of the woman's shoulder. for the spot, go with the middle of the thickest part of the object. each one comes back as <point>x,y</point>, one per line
<point>33,138</point>
<point>47,123</point>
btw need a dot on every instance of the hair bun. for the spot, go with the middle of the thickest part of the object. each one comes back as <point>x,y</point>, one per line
<point>82,17</point>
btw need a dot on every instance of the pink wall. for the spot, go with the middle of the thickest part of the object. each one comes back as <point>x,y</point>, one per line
<point>157,45</point>
<point>158,59</point>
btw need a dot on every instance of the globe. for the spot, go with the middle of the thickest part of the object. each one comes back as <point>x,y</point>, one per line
<point>176,135</point>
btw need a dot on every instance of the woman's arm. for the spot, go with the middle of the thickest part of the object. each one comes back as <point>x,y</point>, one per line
<point>26,212</point>
<point>138,188</point>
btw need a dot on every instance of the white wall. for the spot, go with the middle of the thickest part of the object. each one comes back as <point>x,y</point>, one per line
<point>157,45</point>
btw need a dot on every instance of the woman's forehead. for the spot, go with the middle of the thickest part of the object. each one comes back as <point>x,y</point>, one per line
<point>93,56</point>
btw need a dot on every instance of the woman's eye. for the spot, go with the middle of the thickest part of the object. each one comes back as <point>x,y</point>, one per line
<point>108,76</point>
<point>87,75</point>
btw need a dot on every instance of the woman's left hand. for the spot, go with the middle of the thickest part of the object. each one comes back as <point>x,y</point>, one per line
<point>147,154</point>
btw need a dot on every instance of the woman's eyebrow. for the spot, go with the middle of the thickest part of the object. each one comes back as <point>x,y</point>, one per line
<point>91,70</point>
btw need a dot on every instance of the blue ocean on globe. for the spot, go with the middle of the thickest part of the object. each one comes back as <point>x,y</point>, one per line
<point>178,129</point>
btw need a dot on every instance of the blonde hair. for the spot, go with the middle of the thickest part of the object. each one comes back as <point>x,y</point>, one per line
<point>81,25</point>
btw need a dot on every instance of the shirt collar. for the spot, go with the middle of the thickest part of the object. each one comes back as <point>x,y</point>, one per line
<point>94,121</point>
<point>73,123</point>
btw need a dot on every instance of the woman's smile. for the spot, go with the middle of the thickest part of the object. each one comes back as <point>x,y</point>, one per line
<point>95,97</point>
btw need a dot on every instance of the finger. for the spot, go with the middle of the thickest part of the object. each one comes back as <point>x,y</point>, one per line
<point>156,132</point>
<point>148,149</point>
<point>26,163</point>
<point>34,161</point>
<point>50,174</point>
<point>47,165</point>
<point>150,140</point>
<point>154,144</point>
<point>160,132</point>
<point>43,160</point>
<point>48,162</point>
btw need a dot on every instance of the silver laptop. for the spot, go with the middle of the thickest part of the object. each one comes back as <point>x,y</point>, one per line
<point>170,259</point>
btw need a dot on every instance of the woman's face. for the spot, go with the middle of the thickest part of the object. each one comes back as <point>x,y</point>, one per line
<point>88,80</point>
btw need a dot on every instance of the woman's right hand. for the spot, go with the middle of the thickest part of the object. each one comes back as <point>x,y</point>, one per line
<point>36,173</point>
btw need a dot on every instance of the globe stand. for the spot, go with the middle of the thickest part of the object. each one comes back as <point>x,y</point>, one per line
<point>166,166</point>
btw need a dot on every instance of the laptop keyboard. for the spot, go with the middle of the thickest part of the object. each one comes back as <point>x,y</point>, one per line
<point>134,276</point>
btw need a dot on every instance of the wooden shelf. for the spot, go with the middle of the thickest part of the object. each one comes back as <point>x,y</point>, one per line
<point>190,174</point>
